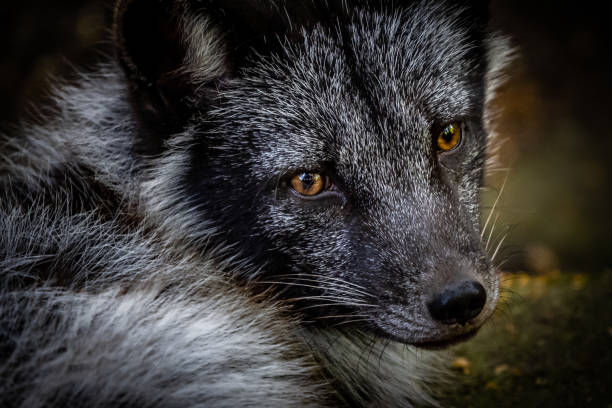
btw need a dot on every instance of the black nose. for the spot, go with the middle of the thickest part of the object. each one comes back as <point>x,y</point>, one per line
<point>458,303</point>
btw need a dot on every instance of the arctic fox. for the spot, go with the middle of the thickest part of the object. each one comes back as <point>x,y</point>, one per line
<point>257,203</point>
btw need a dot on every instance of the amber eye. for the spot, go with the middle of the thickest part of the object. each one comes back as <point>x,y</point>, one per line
<point>310,184</point>
<point>450,137</point>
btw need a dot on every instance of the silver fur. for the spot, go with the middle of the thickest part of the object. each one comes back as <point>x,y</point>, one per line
<point>143,302</point>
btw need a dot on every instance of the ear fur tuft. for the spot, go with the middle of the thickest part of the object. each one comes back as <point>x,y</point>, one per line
<point>500,55</point>
<point>171,55</point>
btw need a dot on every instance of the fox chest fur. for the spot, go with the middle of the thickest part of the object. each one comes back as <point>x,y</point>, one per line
<point>259,203</point>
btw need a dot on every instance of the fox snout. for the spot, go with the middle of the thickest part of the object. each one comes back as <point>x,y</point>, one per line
<point>458,302</point>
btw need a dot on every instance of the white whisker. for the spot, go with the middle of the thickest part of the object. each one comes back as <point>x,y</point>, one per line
<point>498,247</point>
<point>491,232</point>
<point>501,190</point>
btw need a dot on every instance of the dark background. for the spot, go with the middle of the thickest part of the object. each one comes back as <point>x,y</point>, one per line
<point>555,113</point>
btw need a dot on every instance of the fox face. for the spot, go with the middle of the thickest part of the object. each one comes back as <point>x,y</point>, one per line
<point>338,148</point>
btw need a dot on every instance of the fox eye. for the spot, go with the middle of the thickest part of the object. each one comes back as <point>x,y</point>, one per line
<point>450,137</point>
<point>310,184</point>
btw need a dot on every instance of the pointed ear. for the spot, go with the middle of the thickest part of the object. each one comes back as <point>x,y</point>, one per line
<point>175,51</point>
<point>169,53</point>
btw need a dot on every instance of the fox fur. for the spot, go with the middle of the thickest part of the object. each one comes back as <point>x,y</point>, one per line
<point>152,254</point>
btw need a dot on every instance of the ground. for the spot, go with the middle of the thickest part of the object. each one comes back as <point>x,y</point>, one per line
<point>549,345</point>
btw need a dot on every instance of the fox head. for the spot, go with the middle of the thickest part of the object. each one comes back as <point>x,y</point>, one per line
<point>338,146</point>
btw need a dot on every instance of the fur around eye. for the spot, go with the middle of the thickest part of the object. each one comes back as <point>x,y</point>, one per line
<point>450,137</point>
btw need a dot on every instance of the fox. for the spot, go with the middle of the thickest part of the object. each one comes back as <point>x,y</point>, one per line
<point>253,203</point>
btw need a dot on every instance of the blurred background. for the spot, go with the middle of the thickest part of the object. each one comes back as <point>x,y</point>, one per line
<point>551,344</point>
<point>556,113</point>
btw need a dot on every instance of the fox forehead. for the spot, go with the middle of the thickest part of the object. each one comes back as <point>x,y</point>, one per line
<point>383,79</point>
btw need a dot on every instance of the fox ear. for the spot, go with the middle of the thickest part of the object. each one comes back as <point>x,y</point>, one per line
<point>170,53</point>
<point>175,51</point>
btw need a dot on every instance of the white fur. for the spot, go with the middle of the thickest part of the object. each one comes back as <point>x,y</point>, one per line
<point>206,56</point>
<point>143,325</point>
<point>378,372</point>
<point>500,55</point>
<point>144,347</point>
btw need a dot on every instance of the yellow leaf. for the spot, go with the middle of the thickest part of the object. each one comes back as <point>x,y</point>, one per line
<point>579,281</point>
<point>500,369</point>
<point>462,364</point>
<point>492,385</point>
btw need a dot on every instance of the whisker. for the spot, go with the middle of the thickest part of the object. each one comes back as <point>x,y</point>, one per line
<point>332,286</point>
<point>319,297</point>
<point>499,265</point>
<point>327,278</point>
<point>510,255</point>
<point>501,190</point>
<point>339,282</point>
<point>491,232</point>
<point>498,247</point>
<point>509,278</point>
<point>341,316</point>
<point>310,286</point>
<point>513,295</point>
<point>350,321</point>
<point>340,303</point>
<point>503,234</point>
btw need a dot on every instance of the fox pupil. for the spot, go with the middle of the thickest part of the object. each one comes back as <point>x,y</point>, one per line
<point>307,180</point>
<point>448,135</point>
